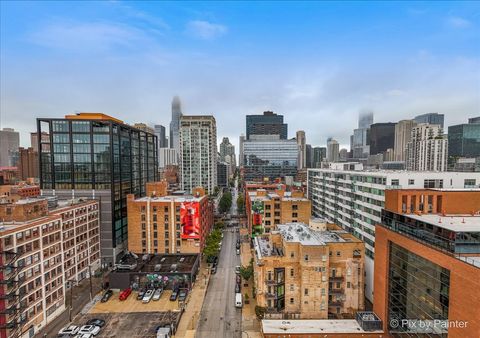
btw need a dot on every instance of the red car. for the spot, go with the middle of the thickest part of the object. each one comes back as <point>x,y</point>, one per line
<point>125,293</point>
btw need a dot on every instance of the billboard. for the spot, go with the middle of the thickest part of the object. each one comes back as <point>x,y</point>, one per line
<point>190,220</point>
<point>257,209</point>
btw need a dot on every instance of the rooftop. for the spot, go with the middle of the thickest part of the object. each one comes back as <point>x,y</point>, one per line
<point>312,326</point>
<point>287,196</point>
<point>168,263</point>
<point>458,223</point>
<point>170,198</point>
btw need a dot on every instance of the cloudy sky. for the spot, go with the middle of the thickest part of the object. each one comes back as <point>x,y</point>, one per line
<point>318,64</point>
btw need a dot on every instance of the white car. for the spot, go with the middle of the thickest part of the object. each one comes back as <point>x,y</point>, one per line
<point>69,330</point>
<point>86,335</point>
<point>147,296</point>
<point>89,329</point>
<point>157,294</point>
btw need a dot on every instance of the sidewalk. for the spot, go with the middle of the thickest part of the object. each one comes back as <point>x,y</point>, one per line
<point>189,321</point>
<point>250,323</point>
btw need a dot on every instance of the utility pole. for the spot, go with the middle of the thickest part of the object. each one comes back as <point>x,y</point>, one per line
<point>71,300</point>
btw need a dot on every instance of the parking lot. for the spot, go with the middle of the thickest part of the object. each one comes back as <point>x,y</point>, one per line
<point>131,304</point>
<point>130,325</point>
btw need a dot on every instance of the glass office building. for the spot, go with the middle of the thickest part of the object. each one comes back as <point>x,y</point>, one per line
<point>269,156</point>
<point>464,139</point>
<point>95,155</point>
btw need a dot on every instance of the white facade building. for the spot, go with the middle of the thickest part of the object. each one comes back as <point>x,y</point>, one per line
<point>354,199</point>
<point>427,149</point>
<point>198,152</point>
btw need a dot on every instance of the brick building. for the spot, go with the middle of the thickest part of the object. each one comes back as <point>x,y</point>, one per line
<point>313,271</point>
<point>267,208</point>
<point>8,175</point>
<point>12,193</point>
<point>27,163</point>
<point>427,266</point>
<point>161,223</point>
<point>40,251</point>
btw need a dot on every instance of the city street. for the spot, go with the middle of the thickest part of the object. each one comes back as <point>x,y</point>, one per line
<point>219,317</point>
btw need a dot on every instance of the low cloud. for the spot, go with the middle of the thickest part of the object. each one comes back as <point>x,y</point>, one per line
<point>458,22</point>
<point>205,30</point>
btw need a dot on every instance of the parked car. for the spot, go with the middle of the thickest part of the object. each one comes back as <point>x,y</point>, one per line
<point>125,293</point>
<point>147,297</point>
<point>106,296</point>
<point>96,321</point>
<point>157,294</point>
<point>213,270</point>
<point>141,293</point>
<point>237,269</point>
<point>237,288</point>
<point>70,330</point>
<point>182,295</point>
<point>85,335</point>
<point>238,300</point>
<point>238,251</point>
<point>163,332</point>
<point>174,295</point>
<point>89,329</point>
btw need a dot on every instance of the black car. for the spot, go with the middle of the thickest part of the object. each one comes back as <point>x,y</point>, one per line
<point>96,322</point>
<point>182,295</point>
<point>106,296</point>
<point>141,293</point>
<point>174,295</point>
<point>237,288</point>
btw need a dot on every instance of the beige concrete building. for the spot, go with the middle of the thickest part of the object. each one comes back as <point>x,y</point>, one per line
<point>313,271</point>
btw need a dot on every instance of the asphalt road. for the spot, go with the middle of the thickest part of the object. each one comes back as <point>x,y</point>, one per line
<point>219,316</point>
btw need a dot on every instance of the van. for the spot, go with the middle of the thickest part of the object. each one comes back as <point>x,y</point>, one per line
<point>238,251</point>
<point>238,300</point>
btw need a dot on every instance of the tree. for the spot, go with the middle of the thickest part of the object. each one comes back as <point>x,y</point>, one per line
<point>240,203</point>
<point>247,271</point>
<point>225,202</point>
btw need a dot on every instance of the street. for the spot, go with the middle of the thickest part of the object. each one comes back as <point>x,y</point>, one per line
<point>219,317</point>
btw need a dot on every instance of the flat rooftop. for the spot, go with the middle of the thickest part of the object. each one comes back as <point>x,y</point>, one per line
<point>170,198</point>
<point>312,326</point>
<point>271,195</point>
<point>458,223</point>
<point>168,263</point>
<point>302,233</point>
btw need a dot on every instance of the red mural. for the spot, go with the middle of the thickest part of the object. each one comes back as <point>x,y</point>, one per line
<point>190,219</point>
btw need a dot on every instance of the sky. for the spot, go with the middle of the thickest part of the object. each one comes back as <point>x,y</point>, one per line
<point>317,63</point>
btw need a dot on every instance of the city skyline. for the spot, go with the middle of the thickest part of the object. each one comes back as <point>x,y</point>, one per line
<point>219,65</point>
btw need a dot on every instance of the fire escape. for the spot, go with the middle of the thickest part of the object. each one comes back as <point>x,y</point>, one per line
<point>10,282</point>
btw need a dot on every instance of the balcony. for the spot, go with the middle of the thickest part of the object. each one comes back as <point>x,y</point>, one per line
<point>270,295</point>
<point>340,291</point>
<point>335,303</point>
<point>336,278</point>
<point>274,282</point>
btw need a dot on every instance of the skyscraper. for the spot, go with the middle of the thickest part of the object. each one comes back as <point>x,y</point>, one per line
<point>308,156</point>
<point>175,124</point>
<point>241,141</point>
<point>198,152</point>
<point>464,139</point>
<point>267,124</point>
<point>301,142</point>
<point>359,141</point>
<point>319,154</point>
<point>333,150</point>
<point>381,137</point>
<point>403,134</point>
<point>9,143</point>
<point>430,118</point>
<point>98,156</point>
<point>161,135</point>
<point>427,149</point>
<point>227,155</point>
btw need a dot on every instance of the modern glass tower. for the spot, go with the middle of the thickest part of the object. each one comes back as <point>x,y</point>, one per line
<point>98,156</point>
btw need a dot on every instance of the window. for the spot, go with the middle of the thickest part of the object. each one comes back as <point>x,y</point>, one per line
<point>292,287</point>
<point>348,285</point>
<point>306,258</point>
<point>395,182</point>
<point>306,292</point>
<point>339,253</point>
<point>292,254</point>
<point>411,182</point>
<point>294,214</point>
<point>469,183</point>
<point>292,272</point>
<point>292,301</point>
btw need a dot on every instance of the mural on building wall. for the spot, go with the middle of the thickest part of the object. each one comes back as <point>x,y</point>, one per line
<point>190,220</point>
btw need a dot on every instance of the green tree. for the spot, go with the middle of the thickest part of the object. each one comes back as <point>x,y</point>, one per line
<point>225,202</point>
<point>240,203</point>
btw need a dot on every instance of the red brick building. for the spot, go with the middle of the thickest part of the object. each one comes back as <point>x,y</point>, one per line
<point>427,263</point>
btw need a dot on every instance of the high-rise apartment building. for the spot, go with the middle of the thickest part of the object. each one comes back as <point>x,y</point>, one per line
<point>464,139</point>
<point>9,141</point>
<point>167,157</point>
<point>175,124</point>
<point>27,163</point>
<point>430,118</point>
<point>241,140</point>
<point>333,150</point>
<point>227,155</point>
<point>381,137</point>
<point>94,155</point>
<point>268,156</point>
<point>308,156</point>
<point>427,149</point>
<point>302,155</point>
<point>267,124</point>
<point>44,248</point>
<point>222,174</point>
<point>354,199</point>
<point>427,272</point>
<point>198,152</point>
<point>403,135</point>
<point>161,136</point>
<point>169,223</point>
<point>307,271</point>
